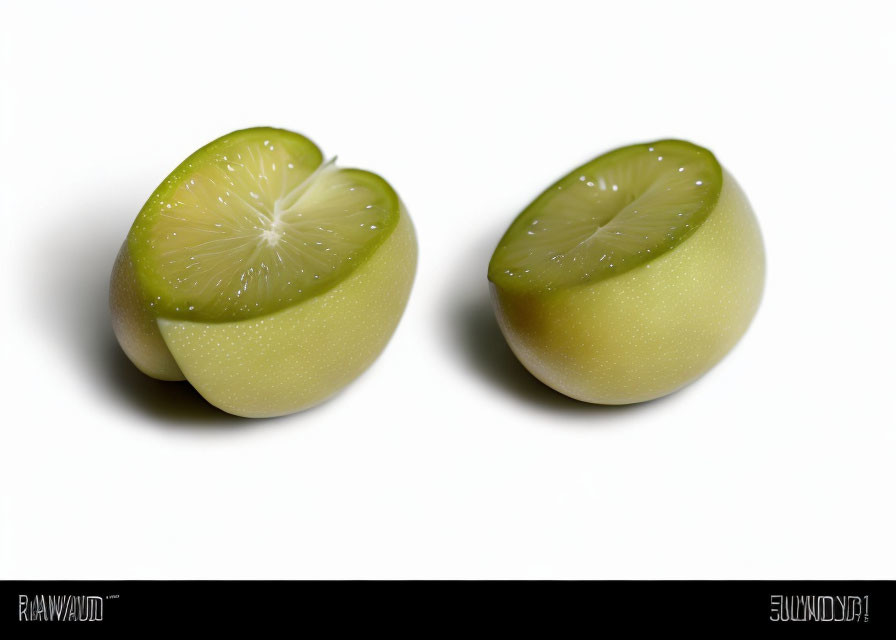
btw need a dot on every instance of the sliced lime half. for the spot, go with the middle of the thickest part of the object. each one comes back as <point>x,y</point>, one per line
<point>254,222</point>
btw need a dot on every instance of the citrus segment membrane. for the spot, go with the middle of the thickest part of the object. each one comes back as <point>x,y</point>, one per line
<point>253,223</point>
<point>612,214</point>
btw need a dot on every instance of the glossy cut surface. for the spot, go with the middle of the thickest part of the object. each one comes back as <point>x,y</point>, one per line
<point>610,215</point>
<point>253,223</point>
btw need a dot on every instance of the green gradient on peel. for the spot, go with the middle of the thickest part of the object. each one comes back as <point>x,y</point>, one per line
<point>680,293</point>
<point>191,267</point>
<point>610,215</point>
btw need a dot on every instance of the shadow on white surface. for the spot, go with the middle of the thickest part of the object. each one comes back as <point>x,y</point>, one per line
<point>474,335</point>
<point>168,402</point>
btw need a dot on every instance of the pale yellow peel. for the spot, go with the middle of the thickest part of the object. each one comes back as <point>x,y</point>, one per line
<point>134,326</point>
<point>297,357</point>
<point>649,331</point>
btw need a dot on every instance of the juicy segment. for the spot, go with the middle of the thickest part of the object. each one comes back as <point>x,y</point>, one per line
<point>608,216</point>
<point>253,223</point>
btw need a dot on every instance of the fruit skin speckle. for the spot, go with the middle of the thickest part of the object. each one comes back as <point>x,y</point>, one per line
<point>647,332</point>
<point>298,357</point>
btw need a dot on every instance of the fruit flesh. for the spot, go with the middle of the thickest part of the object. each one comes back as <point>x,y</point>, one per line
<point>254,223</point>
<point>648,331</point>
<point>608,216</point>
<point>298,292</point>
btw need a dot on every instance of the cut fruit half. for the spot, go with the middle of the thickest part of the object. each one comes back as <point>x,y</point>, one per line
<point>266,277</point>
<point>253,223</point>
<point>631,276</point>
<point>608,216</point>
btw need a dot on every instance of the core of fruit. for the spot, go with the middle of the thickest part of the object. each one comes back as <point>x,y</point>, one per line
<point>632,275</point>
<point>265,276</point>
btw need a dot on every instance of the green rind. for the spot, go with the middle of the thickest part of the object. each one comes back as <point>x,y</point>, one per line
<point>151,282</point>
<point>496,270</point>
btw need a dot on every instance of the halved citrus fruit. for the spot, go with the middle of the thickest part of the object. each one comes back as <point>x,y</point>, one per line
<point>265,276</point>
<point>630,276</point>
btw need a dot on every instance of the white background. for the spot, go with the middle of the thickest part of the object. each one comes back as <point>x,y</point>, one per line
<point>446,459</point>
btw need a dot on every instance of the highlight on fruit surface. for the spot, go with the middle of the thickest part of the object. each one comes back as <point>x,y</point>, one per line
<point>632,275</point>
<point>265,276</point>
